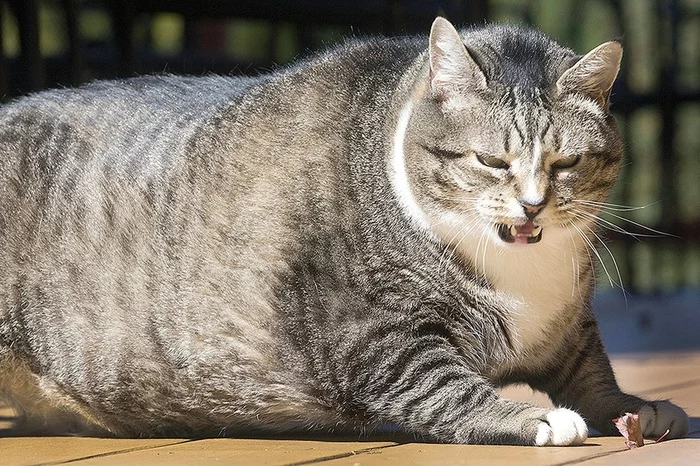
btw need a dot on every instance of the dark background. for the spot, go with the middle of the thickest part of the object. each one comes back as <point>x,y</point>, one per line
<point>49,43</point>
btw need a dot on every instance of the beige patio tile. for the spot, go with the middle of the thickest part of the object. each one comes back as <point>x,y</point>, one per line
<point>56,450</point>
<point>241,452</point>
<point>432,454</point>
<point>683,452</point>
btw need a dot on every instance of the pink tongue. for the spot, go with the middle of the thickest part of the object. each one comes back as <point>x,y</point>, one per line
<point>525,229</point>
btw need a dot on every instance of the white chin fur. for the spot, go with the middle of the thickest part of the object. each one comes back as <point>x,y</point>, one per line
<point>518,271</point>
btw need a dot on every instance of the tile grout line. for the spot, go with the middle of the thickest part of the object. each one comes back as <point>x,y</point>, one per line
<point>115,452</point>
<point>349,454</point>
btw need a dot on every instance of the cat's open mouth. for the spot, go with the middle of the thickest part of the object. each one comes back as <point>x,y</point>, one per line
<point>523,234</point>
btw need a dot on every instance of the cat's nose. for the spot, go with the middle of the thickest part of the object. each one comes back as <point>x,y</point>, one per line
<point>531,210</point>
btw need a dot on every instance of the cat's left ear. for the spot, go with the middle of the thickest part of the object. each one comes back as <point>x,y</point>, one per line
<point>594,74</point>
<point>452,70</point>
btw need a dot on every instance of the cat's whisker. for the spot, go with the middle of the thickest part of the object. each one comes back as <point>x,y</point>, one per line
<point>480,271</point>
<point>476,253</point>
<point>586,248</point>
<point>608,211</point>
<point>443,222</point>
<point>467,230</point>
<point>484,236</point>
<point>576,276</point>
<point>608,225</point>
<point>613,207</point>
<point>464,230</point>
<point>483,254</point>
<point>469,213</point>
<point>442,260</point>
<point>642,226</point>
<point>595,221</point>
<point>595,251</point>
<point>612,256</point>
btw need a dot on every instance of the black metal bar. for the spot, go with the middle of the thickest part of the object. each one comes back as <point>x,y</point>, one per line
<point>75,41</point>
<point>27,14</point>
<point>3,64</point>
<point>669,15</point>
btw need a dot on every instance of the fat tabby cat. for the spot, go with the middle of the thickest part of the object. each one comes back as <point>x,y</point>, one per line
<point>385,232</point>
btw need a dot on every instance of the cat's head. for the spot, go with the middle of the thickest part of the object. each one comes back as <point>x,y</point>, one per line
<point>508,138</point>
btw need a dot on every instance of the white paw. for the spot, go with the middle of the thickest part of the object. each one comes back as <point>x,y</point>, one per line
<point>563,427</point>
<point>660,416</point>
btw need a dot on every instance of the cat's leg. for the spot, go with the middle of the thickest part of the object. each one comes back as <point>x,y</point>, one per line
<point>583,379</point>
<point>465,410</point>
<point>419,381</point>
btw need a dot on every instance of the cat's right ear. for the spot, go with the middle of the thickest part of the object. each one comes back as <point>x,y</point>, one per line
<point>594,74</point>
<point>452,70</point>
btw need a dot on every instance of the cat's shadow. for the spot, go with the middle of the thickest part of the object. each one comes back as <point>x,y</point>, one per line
<point>694,428</point>
<point>397,438</point>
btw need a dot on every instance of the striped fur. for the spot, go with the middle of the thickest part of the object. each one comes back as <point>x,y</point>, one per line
<point>313,249</point>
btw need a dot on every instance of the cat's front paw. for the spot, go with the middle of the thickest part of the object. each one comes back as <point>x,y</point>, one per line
<point>659,416</point>
<point>561,427</point>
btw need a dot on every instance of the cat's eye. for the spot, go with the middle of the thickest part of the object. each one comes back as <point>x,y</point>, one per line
<point>566,162</point>
<point>491,161</point>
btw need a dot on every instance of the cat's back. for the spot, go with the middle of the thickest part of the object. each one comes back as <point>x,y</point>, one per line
<point>188,96</point>
<point>93,190</point>
<point>72,159</point>
<point>122,120</point>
